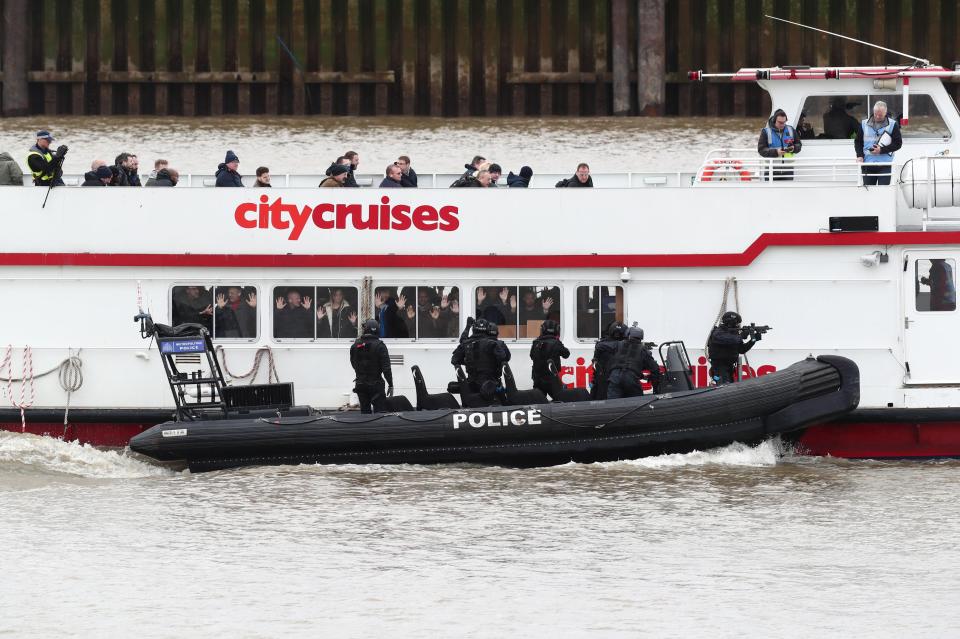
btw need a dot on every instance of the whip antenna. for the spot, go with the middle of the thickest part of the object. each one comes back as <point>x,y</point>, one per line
<point>863,42</point>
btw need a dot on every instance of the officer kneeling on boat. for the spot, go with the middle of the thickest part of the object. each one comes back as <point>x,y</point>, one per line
<point>483,356</point>
<point>633,357</point>
<point>727,343</point>
<point>371,362</point>
<point>546,349</point>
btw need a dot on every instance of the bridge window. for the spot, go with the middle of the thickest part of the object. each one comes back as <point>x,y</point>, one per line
<point>418,312</point>
<point>518,310</point>
<point>597,308</point>
<point>925,119</point>
<point>837,117</point>
<point>935,285</point>
<point>314,312</point>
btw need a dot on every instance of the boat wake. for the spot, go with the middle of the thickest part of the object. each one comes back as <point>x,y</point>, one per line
<point>38,454</point>
<point>767,453</point>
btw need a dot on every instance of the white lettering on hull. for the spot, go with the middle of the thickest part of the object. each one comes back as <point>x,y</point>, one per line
<point>502,418</point>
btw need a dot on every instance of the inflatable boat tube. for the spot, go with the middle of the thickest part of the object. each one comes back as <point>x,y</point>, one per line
<point>811,391</point>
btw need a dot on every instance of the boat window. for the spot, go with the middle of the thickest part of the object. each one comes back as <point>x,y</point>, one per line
<point>192,305</point>
<point>925,119</point>
<point>518,310</point>
<point>833,117</point>
<point>597,308</point>
<point>314,312</point>
<point>418,312</point>
<point>235,312</point>
<point>935,285</point>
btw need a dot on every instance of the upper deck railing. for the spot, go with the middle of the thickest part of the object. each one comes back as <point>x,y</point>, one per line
<point>744,167</point>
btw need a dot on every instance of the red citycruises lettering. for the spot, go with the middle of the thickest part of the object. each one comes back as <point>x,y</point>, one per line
<point>326,216</point>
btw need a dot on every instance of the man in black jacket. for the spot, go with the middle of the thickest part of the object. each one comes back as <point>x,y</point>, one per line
<point>725,345</point>
<point>354,158</point>
<point>101,177</point>
<point>580,179</point>
<point>631,360</point>
<point>520,181</point>
<point>483,357</point>
<point>545,350</point>
<point>392,177</point>
<point>127,170</point>
<point>603,354</point>
<point>46,167</point>
<point>371,361</point>
<point>227,174</point>
<point>408,177</point>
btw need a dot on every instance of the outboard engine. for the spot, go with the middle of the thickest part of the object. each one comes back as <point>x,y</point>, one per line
<point>677,376</point>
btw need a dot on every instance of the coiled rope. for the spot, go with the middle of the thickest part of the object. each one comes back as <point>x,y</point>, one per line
<point>257,360</point>
<point>728,284</point>
<point>69,373</point>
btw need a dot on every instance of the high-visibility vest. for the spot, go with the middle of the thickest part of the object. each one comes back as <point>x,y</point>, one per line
<point>778,140</point>
<point>41,177</point>
<point>871,136</point>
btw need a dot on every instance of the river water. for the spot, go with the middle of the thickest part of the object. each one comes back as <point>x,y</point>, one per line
<point>728,543</point>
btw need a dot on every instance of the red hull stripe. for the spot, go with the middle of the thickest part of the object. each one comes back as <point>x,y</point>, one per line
<point>745,258</point>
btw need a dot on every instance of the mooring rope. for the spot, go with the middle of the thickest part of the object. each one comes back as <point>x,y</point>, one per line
<point>257,359</point>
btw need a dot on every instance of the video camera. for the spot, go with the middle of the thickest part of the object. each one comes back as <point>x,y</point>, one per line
<point>753,331</point>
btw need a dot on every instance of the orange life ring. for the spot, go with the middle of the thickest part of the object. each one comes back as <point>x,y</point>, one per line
<point>728,165</point>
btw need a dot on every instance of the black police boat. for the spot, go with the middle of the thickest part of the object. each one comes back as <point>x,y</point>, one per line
<point>219,426</point>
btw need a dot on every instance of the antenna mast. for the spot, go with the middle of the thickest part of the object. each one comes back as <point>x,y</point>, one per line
<point>921,61</point>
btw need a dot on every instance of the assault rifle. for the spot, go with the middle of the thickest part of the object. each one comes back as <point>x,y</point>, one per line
<point>753,331</point>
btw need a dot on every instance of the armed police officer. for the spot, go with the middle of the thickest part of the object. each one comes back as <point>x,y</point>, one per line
<point>603,353</point>
<point>44,165</point>
<point>371,362</point>
<point>545,350</point>
<point>483,356</point>
<point>632,358</point>
<point>727,343</point>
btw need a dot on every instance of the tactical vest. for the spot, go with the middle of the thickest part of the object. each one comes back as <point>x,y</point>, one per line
<point>722,353</point>
<point>871,136</point>
<point>543,352</point>
<point>629,356</point>
<point>480,360</point>
<point>367,359</point>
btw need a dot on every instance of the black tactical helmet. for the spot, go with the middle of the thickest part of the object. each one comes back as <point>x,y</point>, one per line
<point>616,330</point>
<point>480,326</point>
<point>492,329</point>
<point>634,332</point>
<point>371,327</point>
<point>550,327</point>
<point>731,319</point>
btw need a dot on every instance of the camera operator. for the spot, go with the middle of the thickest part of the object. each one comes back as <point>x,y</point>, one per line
<point>779,140</point>
<point>726,343</point>
<point>46,167</point>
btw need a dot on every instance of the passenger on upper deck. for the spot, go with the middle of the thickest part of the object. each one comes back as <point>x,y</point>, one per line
<point>520,181</point>
<point>581,178</point>
<point>877,139</point>
<point>467,179</point>
<point>408,178</point>
<point>338,175</point>
<point>483,179</point>
<point>158,165</point>
<point>227,171</point>
<point>354,159</point>
<point>126,174</point>
<point>495,173</point>
<point>101,177</point>
<point>392,177</point>
<point>263,177</point>
<point>779,140</point>
<point>10,172</point>
<point>46,166</point>
<point>165,177</point>
<point>838,124</point>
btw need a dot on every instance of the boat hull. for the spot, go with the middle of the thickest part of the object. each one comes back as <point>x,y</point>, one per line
<point>522,436</point>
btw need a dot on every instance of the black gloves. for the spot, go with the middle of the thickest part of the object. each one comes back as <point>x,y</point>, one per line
<point>62,150</point>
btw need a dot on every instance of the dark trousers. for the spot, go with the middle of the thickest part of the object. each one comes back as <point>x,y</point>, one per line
<point>372,397</point>
<point>624,383</point>
<point>723,373</point>
<point>875,175</point>
<point>598,390</point>
<point>548,386</point>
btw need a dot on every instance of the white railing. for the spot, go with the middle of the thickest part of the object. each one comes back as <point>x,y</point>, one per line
<point>626,180</point>
<point>745,167</point>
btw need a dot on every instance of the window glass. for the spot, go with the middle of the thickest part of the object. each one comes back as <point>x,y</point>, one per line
<point>518,310</point>
<point>192,305</point>
<point>418,312</point>
<point>597,308</point>
<point>293,312</point>
<point>336,310</point>
<point>235,312</point>
<point>925,118</point>
<point>935,285</point>
<point>832,117</point>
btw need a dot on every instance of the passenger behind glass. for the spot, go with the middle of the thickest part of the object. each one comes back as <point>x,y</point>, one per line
<point>531,309</point>
<point>390,314</point>
<point>493,304</point>
<point>293,316</point>
<point>193,305</point>
<point>336,318</point>
<point>236,314</point>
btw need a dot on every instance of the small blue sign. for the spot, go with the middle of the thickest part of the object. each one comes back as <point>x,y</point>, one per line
<point>175,346</point>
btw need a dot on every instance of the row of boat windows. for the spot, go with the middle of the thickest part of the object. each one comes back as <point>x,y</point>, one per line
<point>305,312</point>
<point>821,112</point>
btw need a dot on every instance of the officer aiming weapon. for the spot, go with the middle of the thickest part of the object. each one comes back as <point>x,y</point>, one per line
<point>754,331</point>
